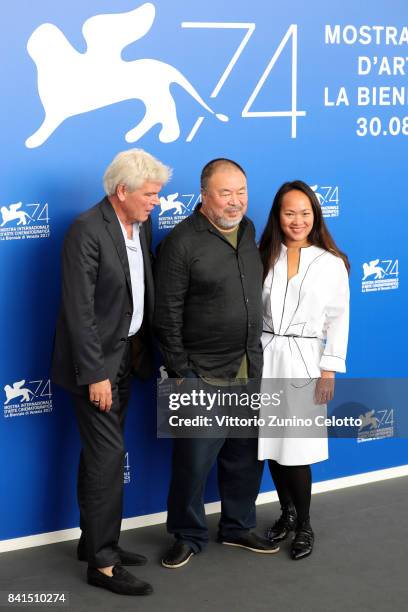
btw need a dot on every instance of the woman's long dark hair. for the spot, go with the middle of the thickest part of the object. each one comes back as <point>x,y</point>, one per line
<point>273,236</point>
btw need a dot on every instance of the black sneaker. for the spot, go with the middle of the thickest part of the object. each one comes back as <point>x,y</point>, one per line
<point>251,541</point>
<point>283,526</point>
<point>178,555</point>
<point>122,582</point>
<point>303,541</point>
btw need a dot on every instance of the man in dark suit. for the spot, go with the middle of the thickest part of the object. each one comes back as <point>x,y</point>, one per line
<point>102,334</point>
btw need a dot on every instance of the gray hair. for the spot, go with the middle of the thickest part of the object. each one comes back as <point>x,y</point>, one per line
<point>132,168</point>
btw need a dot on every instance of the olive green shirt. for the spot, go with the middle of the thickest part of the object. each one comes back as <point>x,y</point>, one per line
<point>242,373</point>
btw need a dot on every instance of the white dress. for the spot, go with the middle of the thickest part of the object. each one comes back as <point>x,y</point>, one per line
<point>305,327</point>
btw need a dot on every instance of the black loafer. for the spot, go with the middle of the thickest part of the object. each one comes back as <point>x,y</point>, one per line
<point>251,541</point>
<point>122,582</point>
<point>126,557</point>
<point>283,526</point>
<point>178,555</point>
<point>303,541</point>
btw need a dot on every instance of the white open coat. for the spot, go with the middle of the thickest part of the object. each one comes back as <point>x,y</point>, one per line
<point>306,322</point>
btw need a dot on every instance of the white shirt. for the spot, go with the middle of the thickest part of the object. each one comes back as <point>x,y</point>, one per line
<point>135,259</point>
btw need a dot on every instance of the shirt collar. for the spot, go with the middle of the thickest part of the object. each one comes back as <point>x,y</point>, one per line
<point>201,223</point>
<point>135,229</point>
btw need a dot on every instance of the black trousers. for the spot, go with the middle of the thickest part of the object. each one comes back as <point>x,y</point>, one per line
<point>100,474</point>
<point>239,476</point>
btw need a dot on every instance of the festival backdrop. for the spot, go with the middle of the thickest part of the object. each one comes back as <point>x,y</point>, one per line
<point>316,91</point>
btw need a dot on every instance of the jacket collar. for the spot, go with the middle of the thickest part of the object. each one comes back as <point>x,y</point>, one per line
<point>115,232</point>
<point>107,211</point>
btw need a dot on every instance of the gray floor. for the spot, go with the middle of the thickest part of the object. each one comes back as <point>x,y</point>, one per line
<point>359,563</point>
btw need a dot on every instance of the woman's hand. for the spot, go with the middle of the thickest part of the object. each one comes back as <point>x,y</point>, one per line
<point>324,391</point>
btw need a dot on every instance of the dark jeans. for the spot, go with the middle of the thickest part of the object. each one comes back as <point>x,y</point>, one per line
<point>100,474</point>
<point>239,476</point>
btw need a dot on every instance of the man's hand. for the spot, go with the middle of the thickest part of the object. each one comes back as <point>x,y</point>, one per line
<point>100,394</point>
<point>324,391</point>
<point>188,374</point>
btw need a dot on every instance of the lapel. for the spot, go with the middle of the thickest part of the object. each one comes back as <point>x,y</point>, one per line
<point>279,288</point>
<point>308,257</point>
<point>147,264</point>
<point>115,232</point>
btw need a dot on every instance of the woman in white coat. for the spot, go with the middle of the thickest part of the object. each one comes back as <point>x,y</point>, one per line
<point>305,332</point>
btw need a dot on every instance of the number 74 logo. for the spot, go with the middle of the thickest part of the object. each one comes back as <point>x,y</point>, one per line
<point>291,37</point>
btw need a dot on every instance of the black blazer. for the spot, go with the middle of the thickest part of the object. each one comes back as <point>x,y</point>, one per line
<point>97,305</point>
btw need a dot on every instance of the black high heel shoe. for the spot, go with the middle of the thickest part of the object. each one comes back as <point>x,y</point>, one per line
<point>303,541</point>
<point>283,526</point>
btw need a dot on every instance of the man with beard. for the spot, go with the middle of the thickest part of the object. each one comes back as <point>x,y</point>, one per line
<point>208,320</point>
